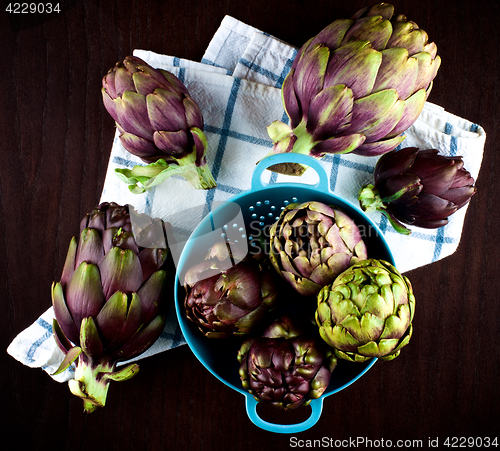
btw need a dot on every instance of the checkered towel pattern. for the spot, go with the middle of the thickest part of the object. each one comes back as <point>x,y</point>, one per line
<point>237,86</point>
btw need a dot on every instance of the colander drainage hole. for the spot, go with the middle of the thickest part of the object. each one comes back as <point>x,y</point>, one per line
<point>236,229</point>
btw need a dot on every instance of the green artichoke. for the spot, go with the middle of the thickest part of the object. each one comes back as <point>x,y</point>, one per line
<point>312,243</point>
<point>356,86</point>
<point>417,187</point>
<point>109,305</point>
<point>367,312</point>
<point>287,366</point>
<point>230,293</point>
<point>158,122</point>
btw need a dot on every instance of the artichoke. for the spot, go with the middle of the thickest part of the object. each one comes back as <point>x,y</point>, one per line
<point>367,312</point>
<point>287,366</point>
<point>355,87</point>
<point>312,243</point>
<point>109,305</point>
<point>229,294</point>
<point>158,122</point>
<point>417,187</point>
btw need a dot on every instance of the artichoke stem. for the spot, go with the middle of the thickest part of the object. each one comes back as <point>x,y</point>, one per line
<point>205,178</point>
<point>305,141</point>
<point>146,171</point>
<point>370,200</point>
<point>144,178</point>
<point>89,384</point>
<point>200,177</point>
<point>304,144</point>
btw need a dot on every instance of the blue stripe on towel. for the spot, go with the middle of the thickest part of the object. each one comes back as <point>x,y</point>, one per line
<point>211,63</point>
<point>259,69</point>
<point>48,334</point>
<point>176,337</point>
<point>224,134</point>
<point>448,129</point>
<point>439,243</point>
<point>453,146</point>
<point>334,172</point>
<point>236,135</point>
<point>182,72</point>
<point>276,78</point>
<point>123,162</point>
<point>284,72</point>
<point>384,223</point>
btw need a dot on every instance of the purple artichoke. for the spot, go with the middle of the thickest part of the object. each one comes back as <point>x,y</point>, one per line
<point>109,305</point>
<point>230,294</point>
<point>158,122</point>
<point>287,366</point>
<point>417,187</point>
<point>312,243</point>
<point>356,86</point>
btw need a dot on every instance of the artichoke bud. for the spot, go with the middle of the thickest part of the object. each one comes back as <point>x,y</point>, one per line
<point>312,243</point>
<point>417,187</point>
<point>356,86</point>
<point>287,366</point>
<point>159,122</point>
<point>230,293</point>
<point>110,303</point>
<point>367,312</point>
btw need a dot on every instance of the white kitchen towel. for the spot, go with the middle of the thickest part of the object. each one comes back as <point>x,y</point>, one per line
<point>237,86</point>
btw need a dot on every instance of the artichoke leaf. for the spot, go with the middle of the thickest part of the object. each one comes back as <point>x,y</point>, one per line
<point>309,76</point>
<point>84,294</point>
<point>132,114</point>
<point>122,374</point>
<point>289,97</point>
<point>142,340</point>
<point>354,65</point>
<point>278,131</point>
<point>70,357</point>
<point>364,329</point>
<point>378,349</point>
<point>90,341</point>
<point>119,319</point>
<point>66,322</point>
<point>165,110</point>
<point>69,263</point>
<point>120,271</point>
<point>62,341</point>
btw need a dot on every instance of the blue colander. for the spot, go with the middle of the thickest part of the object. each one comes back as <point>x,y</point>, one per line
<point>243,218</point>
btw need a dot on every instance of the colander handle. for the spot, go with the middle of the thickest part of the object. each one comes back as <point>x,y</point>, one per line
<point>251,406</point>
<point>305,160</point>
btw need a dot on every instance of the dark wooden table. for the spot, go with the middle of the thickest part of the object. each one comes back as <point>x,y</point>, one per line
<point>56,143</point>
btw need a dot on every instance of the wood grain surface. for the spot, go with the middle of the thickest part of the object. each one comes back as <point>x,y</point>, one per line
<point>56,141</point>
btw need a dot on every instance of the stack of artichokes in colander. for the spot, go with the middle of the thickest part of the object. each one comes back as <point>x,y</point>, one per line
<point>318,296</point>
